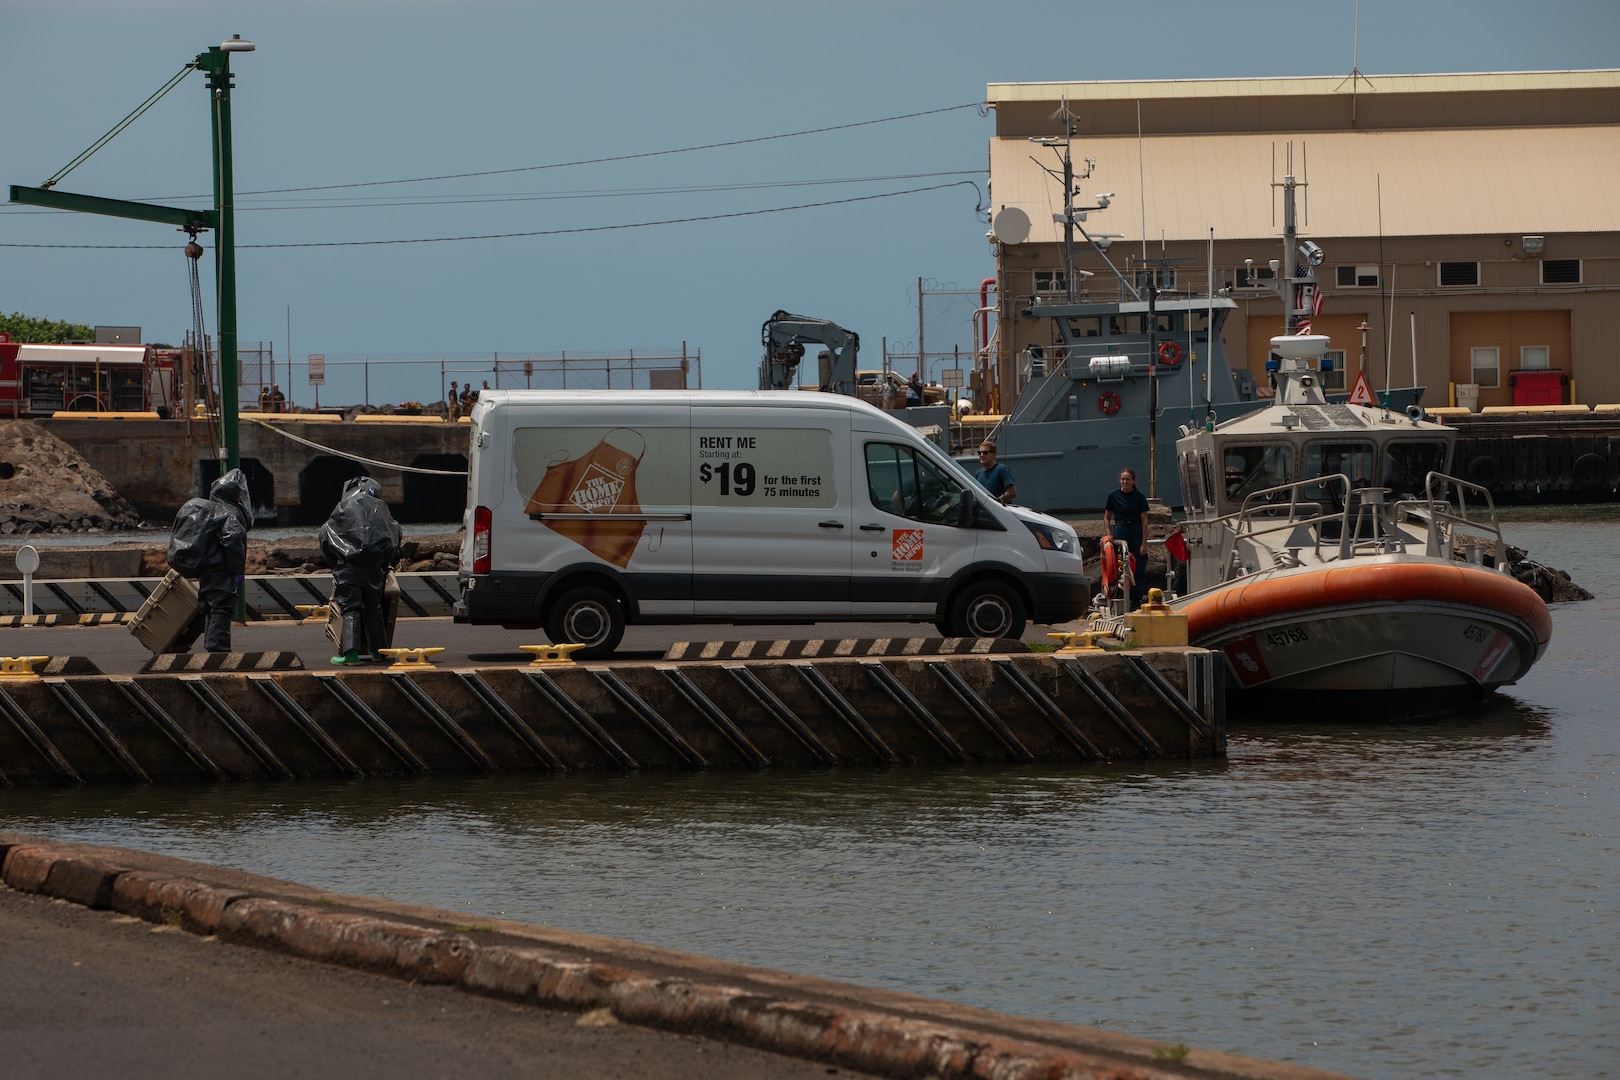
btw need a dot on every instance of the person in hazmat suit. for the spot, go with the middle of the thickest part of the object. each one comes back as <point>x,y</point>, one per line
<point>360,541</point>
<point>209,543</point>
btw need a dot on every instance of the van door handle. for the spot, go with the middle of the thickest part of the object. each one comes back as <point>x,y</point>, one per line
<point>872,528</point>
<point>831,524</point>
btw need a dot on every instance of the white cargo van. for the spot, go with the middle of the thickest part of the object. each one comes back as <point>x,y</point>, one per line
<point>588,510</point>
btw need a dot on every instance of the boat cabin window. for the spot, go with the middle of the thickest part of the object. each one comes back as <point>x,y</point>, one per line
<point>1255,468</point>
<point>1164,324</point>
<point>1353,459</point>
<point>903,481</point>
<point>1208,470</point>
<point>1087,326</point>
<point>1196,320</point>
<point>1119,325</point>
<point>1189,482</point>
<point>1407,464</point>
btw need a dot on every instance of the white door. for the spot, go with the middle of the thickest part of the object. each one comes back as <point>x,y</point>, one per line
<point>907,542</point>
<point>770,513</point>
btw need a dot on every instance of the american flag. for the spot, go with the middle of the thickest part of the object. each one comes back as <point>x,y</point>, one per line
<point>1311,295</point>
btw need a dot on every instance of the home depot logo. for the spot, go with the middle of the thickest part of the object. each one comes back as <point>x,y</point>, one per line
<point>598,490</point>
<point>908,545</point>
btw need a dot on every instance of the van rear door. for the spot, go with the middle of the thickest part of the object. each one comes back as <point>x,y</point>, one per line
<point>770,512</point>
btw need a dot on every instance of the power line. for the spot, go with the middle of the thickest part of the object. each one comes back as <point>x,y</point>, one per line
<point>537,232</point>
<point>621,157</point>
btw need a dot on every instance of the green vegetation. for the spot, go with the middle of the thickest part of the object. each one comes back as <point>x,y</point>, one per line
<point>1171,1053</point>
<point>43,331</point>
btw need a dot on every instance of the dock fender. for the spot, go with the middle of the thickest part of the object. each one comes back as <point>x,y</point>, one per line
<point>1485,471</point>
<point>1591,472</point>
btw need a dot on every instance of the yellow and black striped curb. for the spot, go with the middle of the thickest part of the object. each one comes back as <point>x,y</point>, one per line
<point>13,621</point>
<point>852,1027</point>
<point>267,596</point>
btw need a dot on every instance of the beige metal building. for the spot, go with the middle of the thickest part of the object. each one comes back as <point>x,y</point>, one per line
<point>1473,216</point>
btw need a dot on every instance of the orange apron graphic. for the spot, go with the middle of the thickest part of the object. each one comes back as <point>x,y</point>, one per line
<point>600,482</point>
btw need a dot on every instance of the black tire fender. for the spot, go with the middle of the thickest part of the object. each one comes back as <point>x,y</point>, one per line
<point>1485,471</point>
<point>1591,472</point>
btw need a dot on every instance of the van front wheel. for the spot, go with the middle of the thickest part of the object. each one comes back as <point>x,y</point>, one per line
<point>589,616</point>
<point>987,609</point>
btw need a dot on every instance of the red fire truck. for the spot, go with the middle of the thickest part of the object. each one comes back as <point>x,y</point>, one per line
<point>38,380</point>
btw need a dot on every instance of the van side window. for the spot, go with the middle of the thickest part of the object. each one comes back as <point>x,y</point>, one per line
<point>902,481</point>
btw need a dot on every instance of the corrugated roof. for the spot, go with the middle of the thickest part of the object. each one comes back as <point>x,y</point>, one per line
<point>1297,86</point>
<point>1433,183</point>
<point>82,354</point>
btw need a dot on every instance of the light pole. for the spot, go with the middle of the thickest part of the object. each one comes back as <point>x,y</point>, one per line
<point>216,64</point>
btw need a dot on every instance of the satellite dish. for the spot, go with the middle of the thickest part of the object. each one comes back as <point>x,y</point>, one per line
<point>1010,225</point>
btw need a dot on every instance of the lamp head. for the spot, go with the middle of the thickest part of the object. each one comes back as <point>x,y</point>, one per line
<point>236,44</point>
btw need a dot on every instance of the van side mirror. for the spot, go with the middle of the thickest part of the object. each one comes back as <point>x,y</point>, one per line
<point>967,511</point>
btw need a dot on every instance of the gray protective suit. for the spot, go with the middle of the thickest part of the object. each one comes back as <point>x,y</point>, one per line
<point>209,542</point>
<point>361,542</point>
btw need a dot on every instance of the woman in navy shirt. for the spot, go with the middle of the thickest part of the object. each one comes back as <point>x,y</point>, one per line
<point>1125,518</point>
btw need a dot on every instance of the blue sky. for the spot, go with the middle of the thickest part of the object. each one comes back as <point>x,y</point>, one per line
<point>363,92</point>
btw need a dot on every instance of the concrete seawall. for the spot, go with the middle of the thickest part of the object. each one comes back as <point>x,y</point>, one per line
<point>259,721</point>
<point>842,1025</point>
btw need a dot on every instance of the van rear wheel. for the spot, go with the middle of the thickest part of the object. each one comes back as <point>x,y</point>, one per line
<point>588,616</point>
<point>987,609</point>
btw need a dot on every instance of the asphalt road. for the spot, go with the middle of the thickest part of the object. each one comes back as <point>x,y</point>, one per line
<point>92,993</point>
<point>117,652</point>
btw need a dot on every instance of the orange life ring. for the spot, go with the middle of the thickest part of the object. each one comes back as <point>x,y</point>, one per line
<point>1170,353</point>
<point>1110,565</point>
<point>1108,402</point>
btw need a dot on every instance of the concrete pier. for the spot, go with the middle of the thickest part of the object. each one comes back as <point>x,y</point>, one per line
<point>263,722</point>
<point>608,981</point>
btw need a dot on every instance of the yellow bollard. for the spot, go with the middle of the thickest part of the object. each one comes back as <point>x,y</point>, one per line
<point>552,655</point>
<point>1156,623</point>
<point>1083,641</point>
<point>313,613</point>
<point>411,659</point>
<point>20,667</point>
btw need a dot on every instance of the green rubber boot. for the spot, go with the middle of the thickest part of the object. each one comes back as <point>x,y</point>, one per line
<point>350,657</point>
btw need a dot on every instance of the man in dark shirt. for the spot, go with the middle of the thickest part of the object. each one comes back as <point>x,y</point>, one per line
<point>995,478</point>
<point>1125,518</point>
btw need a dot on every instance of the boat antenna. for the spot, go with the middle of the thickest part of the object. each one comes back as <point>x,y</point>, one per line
<point>1066,117</point>
<point>1355,78</point>
<point>1141,178</point>
<point>1209,326</point>
<point>1389,292</point>
<point>1072,214</point>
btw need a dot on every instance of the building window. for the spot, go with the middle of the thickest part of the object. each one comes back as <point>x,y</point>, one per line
<point>1358,277</point>
<point>1486,366</point>
<point>1560,271</point>
<point>1051,281</point>
<point>1459,273</point>
<point>1333,380</point>
<point>1251,277</point>
<point>1534,358</point>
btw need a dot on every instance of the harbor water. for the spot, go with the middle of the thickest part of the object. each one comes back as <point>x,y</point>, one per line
<point>1428,899</point>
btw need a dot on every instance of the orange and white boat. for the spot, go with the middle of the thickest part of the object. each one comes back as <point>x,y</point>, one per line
<point>1322,543</point>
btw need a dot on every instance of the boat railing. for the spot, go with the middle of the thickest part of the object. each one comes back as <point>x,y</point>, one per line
<point>1284,509</point>
<point>1441,517</point>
